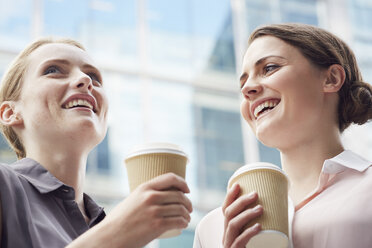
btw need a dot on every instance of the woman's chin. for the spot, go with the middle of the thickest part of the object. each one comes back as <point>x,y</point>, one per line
<point>268,138</point>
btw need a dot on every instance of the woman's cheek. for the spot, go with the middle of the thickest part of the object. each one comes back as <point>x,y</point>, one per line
<point>244,110</point>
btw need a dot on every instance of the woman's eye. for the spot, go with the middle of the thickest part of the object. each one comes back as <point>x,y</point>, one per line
<point>95,79</point>
<point>51,70</point>
<point>269,68</point>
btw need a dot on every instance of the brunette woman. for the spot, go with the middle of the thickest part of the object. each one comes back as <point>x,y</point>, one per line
<point>301,89</point>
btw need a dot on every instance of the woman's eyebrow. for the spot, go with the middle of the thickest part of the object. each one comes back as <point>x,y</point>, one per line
<point>90,67</point>
<point>243,78</point>
<point>261,60</point>
<point>59,61</point>
<point>66,62</point>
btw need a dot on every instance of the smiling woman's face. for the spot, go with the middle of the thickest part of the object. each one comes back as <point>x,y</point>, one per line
<point>62,96</point>
<point>283,92</point>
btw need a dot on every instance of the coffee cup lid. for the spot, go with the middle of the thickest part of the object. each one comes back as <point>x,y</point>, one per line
<point>255,166</point>
<point>155,147</point>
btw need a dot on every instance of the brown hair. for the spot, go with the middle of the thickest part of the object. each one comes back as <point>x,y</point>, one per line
<point>325,49</point>
<point>11,85</point>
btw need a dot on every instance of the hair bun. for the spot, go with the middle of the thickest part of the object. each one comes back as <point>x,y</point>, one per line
<point>359,110</point>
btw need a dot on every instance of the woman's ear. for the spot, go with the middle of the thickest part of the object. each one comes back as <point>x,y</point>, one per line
<point>8,115</point>
<point>335,78</point>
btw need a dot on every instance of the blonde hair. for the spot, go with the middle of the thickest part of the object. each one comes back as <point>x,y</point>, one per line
<point>11,85</point>
<point>324,49</point>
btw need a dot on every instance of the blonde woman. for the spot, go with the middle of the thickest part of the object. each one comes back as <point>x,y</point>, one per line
<point>301,89</point>
<point>53,112</point>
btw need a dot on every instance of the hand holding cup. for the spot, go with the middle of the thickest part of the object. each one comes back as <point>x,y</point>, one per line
<point>151,160</point>
<point>244,217</point>
<point>238,211</point>
<point>149,211</point>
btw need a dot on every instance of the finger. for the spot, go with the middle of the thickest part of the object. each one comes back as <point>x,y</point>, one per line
<point>231,196</point>
<point>168,181</point>
<point>161,224</point>
<point>160,198</point>
<point>242,240</point>
<point>234,227</point>
<point>174,210</point>
<point>173,197</point>
<point>178,222</point>
<point>240,205</point>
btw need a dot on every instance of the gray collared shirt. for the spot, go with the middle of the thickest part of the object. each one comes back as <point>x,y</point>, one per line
<point>38,210</point>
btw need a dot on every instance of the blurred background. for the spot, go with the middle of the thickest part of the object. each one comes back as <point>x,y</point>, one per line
<point>171,72</point>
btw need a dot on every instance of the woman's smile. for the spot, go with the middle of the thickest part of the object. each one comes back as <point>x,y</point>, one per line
<point>263,106</point>
<point>83,101</point>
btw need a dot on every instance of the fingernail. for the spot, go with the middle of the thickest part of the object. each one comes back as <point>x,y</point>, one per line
<point>235,185</point>
<point>257,208</point>
<point>252,194</point>
<point>256,227</point>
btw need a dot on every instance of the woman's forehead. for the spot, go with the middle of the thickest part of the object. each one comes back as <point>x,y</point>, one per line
<point>267,46</point>
<point>59,51</point>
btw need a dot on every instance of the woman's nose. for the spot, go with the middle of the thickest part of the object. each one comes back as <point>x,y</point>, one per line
<point>251,90</point>
<point>82,81</point>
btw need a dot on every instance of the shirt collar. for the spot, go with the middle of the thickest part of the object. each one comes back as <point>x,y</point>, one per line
<point>45,182</point>
<point>331,167</point>
<point>96,213</point>
<point>345,160</point>
<point>342,162</point>
<point>37,175</point>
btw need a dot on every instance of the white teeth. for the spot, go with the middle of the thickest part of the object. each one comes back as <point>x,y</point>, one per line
<point>79,102</point>
<point>263,105</point>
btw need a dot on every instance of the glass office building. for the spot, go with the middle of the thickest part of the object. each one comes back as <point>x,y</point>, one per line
<point>171,73</point>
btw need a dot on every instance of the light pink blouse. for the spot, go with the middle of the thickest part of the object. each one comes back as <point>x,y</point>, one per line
<point>337,214</point>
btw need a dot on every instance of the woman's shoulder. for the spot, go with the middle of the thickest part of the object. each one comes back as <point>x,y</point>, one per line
<point>209,231</point>
<point>212,218</point>
<point>7,170</point>
<point>9,179</point>
<point>11,175</point>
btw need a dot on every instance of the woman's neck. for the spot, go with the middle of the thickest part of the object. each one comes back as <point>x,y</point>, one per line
<point>303,163</point>
<point>68,167</point>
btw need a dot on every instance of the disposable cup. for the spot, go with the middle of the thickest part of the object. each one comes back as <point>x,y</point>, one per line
<point>150,160</point>
<point>271,184</point>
